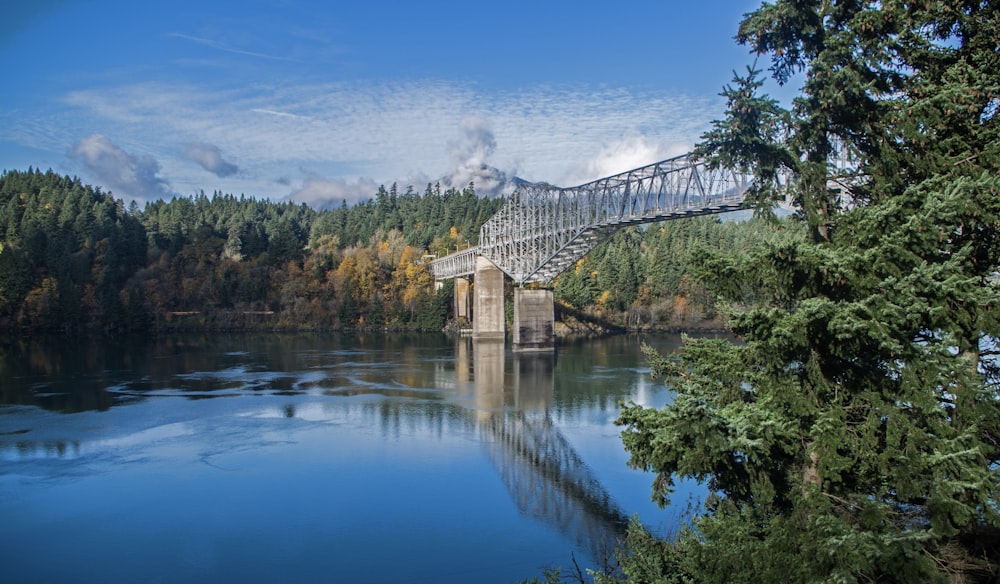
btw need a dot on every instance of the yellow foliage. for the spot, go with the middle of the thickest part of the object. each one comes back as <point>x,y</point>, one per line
<point>327,243</point>
<point>680,306</point>
<point>345,273</point>
<point>366,273</point>
<point>410,297</point>
<point>602,300</point>
<point>410,255</point>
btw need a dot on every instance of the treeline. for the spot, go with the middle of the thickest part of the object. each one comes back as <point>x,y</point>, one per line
<point>67,253</point>
<point>73,258</point>
<point>643,277</point>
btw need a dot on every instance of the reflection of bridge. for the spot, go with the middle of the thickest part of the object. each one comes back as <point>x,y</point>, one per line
<point>546,477</point>
<point>550,482</point>
<point>507,403</point>
<point>541,230</point>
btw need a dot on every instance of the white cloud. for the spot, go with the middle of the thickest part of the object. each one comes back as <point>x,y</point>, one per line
<point>210,158</point>
<point>127,176</point>
<point>470,155</point>
<point>361,134</point>
<point>261,110</point>
<point>623,155</point>
<point>324,193</point>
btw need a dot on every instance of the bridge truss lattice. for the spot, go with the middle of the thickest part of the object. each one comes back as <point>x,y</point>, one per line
<point>542,229</point>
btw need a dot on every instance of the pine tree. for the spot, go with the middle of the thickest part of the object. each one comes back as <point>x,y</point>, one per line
<point>853,432</point>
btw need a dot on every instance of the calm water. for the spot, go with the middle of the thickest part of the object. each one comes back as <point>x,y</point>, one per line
<point>321,458</point>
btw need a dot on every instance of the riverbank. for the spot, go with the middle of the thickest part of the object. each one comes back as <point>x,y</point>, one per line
<point>568,322</point>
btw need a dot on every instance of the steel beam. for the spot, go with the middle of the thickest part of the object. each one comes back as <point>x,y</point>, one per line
<point>541,230</point>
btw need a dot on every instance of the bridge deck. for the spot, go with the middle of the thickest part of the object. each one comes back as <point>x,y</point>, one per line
<point>541,230</point>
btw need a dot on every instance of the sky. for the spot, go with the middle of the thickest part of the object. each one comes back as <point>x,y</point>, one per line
<point>321,102</point>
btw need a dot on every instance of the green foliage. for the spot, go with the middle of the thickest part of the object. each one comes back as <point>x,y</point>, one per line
<point>647,559</point>
<point>234,259</point>
<point>427,221</point>
<point>645,278</point>
<point>66,253</point>
<point>749,139</point>
<point>71,258</point>
<point>853,432</point>
<point>549,576</point>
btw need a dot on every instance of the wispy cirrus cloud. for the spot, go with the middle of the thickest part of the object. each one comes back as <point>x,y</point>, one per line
<point>353,136</point>
<point>221,46</point>
<point>269,112</point>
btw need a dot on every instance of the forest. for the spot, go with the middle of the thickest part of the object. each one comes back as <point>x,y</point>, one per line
<point>75,259</point>
<point>848,427</point>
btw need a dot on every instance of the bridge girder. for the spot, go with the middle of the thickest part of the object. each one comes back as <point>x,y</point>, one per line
<point>542,230</point>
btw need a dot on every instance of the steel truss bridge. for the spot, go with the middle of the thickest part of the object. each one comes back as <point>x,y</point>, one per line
<point>542,229</point>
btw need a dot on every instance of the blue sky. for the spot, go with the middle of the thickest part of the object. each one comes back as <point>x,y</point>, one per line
<point>323,101</point>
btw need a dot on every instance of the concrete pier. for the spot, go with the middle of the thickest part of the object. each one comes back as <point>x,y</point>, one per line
<point>487,312</point>
<point>462,299</point>
<point>534,320</point>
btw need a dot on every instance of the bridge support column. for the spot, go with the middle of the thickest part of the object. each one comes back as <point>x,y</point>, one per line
<point>487,312</point>
<point>534,320</point>
<point>462,298</point>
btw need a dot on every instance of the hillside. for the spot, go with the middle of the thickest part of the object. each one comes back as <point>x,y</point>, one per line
<point>73,258</point>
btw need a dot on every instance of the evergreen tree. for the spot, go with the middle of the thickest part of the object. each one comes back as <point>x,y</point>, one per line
<point>853,434</point>
<point>65,254</point>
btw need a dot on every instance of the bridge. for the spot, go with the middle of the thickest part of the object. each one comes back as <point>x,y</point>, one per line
<point>542,230</point>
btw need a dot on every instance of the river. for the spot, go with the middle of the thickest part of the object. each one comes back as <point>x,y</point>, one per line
<point>316,457</point>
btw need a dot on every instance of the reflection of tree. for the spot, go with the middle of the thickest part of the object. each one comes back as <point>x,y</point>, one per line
<point>57,374</point>
<point>506,400</point>
<point>546,477</point>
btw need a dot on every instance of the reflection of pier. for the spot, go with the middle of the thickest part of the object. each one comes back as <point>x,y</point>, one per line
<point>544,474</point>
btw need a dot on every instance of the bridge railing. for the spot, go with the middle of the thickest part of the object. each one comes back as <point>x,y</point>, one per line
<point>460,263</point>
<point>542,229</point>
